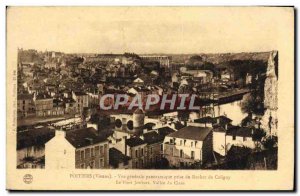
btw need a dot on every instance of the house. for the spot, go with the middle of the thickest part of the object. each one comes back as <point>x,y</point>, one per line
<point>201,76</point>
<point>138,81</point>
<point>189,145</point>
<point>135,148</point>
<point>43,104</point>
<point>81,149</point>
<point>209,121</point>
<point>240,136</point>
<point>31,147</point>
<point>70,106</point>
<point>227,75</point>
<point>25,105</point>
<point>82,100</point>
<point>154,148</point>
<point>224,139</point>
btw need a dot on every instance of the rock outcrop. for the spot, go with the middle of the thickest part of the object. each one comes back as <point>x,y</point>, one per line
<point>270,121</point>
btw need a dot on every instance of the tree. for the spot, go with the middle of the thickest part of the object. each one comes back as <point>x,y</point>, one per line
<point>252,104</point>
<point>270,142</point>
<point>195,60</point>
<point>257,136</point>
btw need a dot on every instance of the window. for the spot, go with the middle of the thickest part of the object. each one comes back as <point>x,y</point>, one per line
<point>136,153</point>
<point>151,150</point>
<point>136,164</point>
<point>161,147</point>
<point>233,137</point>
<point>195,143</point>
<point>181,153</point>
<point>244,139</point>
<point>184,142</point>
<point>192,144</point>
<point>192,155</point>
<point>87,153</point>
<point>101,150</point>
<point>142,152</point>
<point>171,141</point>
<point>180,142</point>
<point>82,155</point>
<point>92,152</point>
<point>97,150</point>
<point>101,163</point>
<point>92,164</point>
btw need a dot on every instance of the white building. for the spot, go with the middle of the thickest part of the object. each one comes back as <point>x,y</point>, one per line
<point>81,148</point>
<point>223,139</point>
<point>188,145</point>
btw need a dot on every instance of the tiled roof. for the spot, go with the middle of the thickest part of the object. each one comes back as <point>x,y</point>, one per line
<point>164,131</point>
<point>239,131</point>
<point>208,119</point>
<point>85,137</point>
<point>43,96</point>
<point>192,133</point>
<point>24,96</point>
<point>134,141</point>
<point>219,129</point>
<point>152,137</point>
<point>80,93</point>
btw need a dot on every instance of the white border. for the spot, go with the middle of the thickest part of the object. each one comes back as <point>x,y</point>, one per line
<point>5,3</point>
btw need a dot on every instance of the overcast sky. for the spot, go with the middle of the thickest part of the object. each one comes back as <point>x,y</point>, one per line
<point>143,30</point>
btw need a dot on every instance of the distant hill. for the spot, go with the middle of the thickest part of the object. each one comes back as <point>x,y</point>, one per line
<point>219,58</point>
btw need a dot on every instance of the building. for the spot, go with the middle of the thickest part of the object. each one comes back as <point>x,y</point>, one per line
<point>58,107</point>
<point>240,136</point>
<point>199,76</point>
<point>43,104</point>
<point>81,149</point>
<point>70,106</point>
<point>188,146</point>
<point>82,100</point>
<point>164,61</point>
<point>135,148</point>
<point>25,105</point>
<point>225,139</point>
<point>154,148</point>
<point>227,75</point>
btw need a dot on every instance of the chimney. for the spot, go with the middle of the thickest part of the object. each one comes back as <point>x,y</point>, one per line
<point>60,133</point>
<point>226,126</point>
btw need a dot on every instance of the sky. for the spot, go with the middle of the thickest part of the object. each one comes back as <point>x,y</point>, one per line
<point>143,29</point>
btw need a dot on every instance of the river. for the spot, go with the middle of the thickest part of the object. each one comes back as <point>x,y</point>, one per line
<point>232,110</point>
